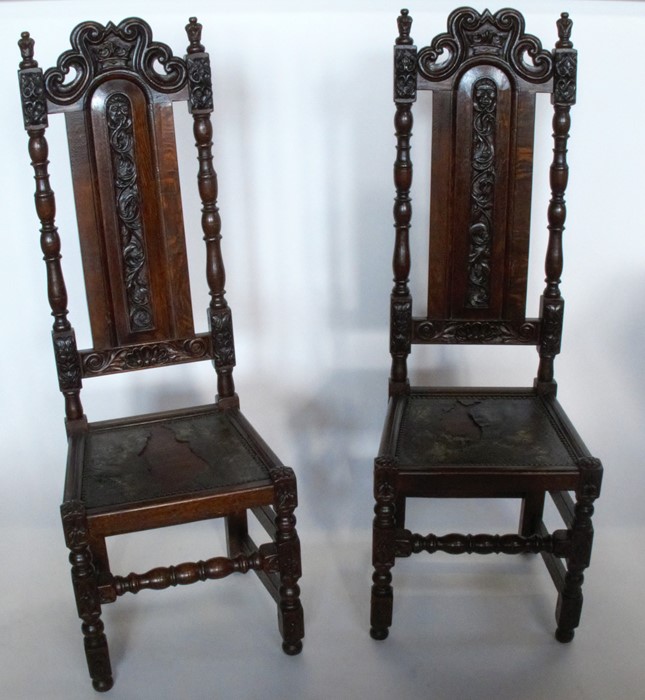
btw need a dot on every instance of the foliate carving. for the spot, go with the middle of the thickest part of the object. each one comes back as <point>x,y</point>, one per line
<point>221,323</point>
<point>400,326</point>
<point>200,88</point>
<point>552,320</point>
<point>97,49</point>
<point>147,355</point>
<point>32,95</point>
<point>471,34</point>
<point>68,363</point>
<point>482,188</point>
<point>405,78</point>
<point>128,207</point>
<point>476,332</point>
<point>565,74</point>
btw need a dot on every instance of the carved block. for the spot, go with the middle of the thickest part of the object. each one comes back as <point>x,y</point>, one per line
<point>400,326</point>
<point>32,96</point>
<point>221,325</point>
<point>68,363</point>
<point>405,74</point>
<point>200,88</point>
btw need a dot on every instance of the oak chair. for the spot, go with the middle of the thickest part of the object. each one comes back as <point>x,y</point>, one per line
<point>116,88</point>
<point>447,442</point>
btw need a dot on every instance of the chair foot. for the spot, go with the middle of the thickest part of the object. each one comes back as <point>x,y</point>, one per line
<point>379,634</point>
<point>292,648</point>
<point>564,636</point>
<point>104,685</point>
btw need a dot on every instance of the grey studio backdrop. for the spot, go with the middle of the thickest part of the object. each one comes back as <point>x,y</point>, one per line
<point>304,146</point>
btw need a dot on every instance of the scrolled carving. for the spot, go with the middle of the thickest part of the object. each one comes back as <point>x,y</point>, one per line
<point>565,76</point>
<point>475,332</point>
<point>32,95</point>
<point>128,207</point>
<point>471,34</point>
<point>147,355</point>
<point>200,88</point>
<point>482,189</point>
<point>97,49</point>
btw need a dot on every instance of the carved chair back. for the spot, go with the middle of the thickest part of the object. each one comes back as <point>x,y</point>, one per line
<point>484,74</point>
<point>116,88</point>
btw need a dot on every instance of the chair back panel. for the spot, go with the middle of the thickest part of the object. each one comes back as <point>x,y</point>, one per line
<point>128,203</point>
<point>480,197</point>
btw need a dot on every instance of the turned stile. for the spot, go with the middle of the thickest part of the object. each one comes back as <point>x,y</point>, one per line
<point>552,303</point>
<point>200,106</point>
<point>32,92</point>
<point>401,300</point>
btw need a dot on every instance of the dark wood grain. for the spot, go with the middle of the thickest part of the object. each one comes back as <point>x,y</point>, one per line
<point>498,442</point>
<point>116,88</point>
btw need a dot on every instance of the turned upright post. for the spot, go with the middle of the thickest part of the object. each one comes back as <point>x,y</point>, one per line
<point>552,303</point>
<point>405,91</point>
<point>200,104</point>
<point>34,109</point>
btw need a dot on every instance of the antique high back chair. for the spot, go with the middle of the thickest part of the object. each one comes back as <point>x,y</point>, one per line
<point>173,467</point>
<point>482,442</point>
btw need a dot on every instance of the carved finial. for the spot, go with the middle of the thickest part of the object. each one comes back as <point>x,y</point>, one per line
<point>564,32</point>
<point>26,44</point>
<point>194,31</point>
<point>404,21</point>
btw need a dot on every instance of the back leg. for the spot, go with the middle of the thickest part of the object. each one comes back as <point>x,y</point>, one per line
<point>532,513</point>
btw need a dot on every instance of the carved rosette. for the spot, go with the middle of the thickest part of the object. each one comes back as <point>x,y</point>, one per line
<point>128,208</point>
<point>221,324</point>
<point>400,326</point>
<point>68,362</point>
<point>97,49</point>
<point>141,356</point>
<point>405,73</point>
<point>200,88</point>
<point>482,188</point>
<point>476,332</point>
<point>471,34</point>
